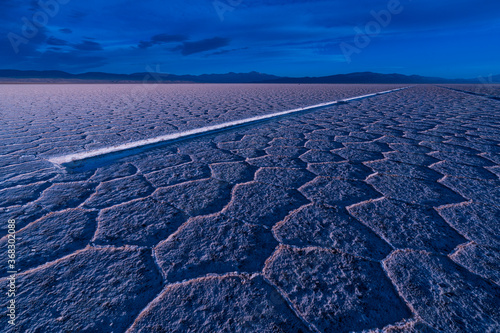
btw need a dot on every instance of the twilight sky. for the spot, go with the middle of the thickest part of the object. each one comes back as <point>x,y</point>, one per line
<point>447,38</point>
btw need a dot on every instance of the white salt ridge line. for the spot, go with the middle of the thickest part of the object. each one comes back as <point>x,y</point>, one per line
<point>104,151</point>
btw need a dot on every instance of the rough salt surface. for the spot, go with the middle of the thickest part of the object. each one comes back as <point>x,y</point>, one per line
<point>52,237</point>
<point>264,204</point>
<point>330,288</point>
<point>478,222</point>
<point>408,226</point>
<point>139,222</point>
<point>232,303</point>
<point>214,244</point>
<point>163,238</point>
<point>444,294</point>
<point>198,197</point>
<point>111,285</point>
<point>327,227</point>
<point>479,259</point>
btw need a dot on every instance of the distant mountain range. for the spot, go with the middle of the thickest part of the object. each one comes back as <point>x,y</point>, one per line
<point>252,77</point>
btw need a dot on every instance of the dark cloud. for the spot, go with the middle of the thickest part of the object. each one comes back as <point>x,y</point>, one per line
<point>17,46</point>
<point>77,14</point>
<point>144,45</point>
<point>34,6</point>
<point>226,51</point>
<point>66,30</point>
<point>56,41</point>
<point>72,61</point>
<point>161,39</point>
<point>189,48</point>
<point>166,38</point>
<point>54,58</point>
<point>87,45</point>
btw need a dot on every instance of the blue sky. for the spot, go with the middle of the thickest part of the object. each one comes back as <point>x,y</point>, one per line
<point>451,38</point>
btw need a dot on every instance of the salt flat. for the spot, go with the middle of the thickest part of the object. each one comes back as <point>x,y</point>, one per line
<point>487,89</point>
<point>51,120</point>
<point>378,215</point>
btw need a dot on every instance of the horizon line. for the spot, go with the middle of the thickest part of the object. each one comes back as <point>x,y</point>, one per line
<point>250,72</point>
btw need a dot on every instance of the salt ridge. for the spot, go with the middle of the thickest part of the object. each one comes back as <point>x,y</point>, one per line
<point>61,160</point>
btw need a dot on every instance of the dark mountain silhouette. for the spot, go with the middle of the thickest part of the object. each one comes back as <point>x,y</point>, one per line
<point>252,77</point>
<point>366,77</point>
<point>49,76</point>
